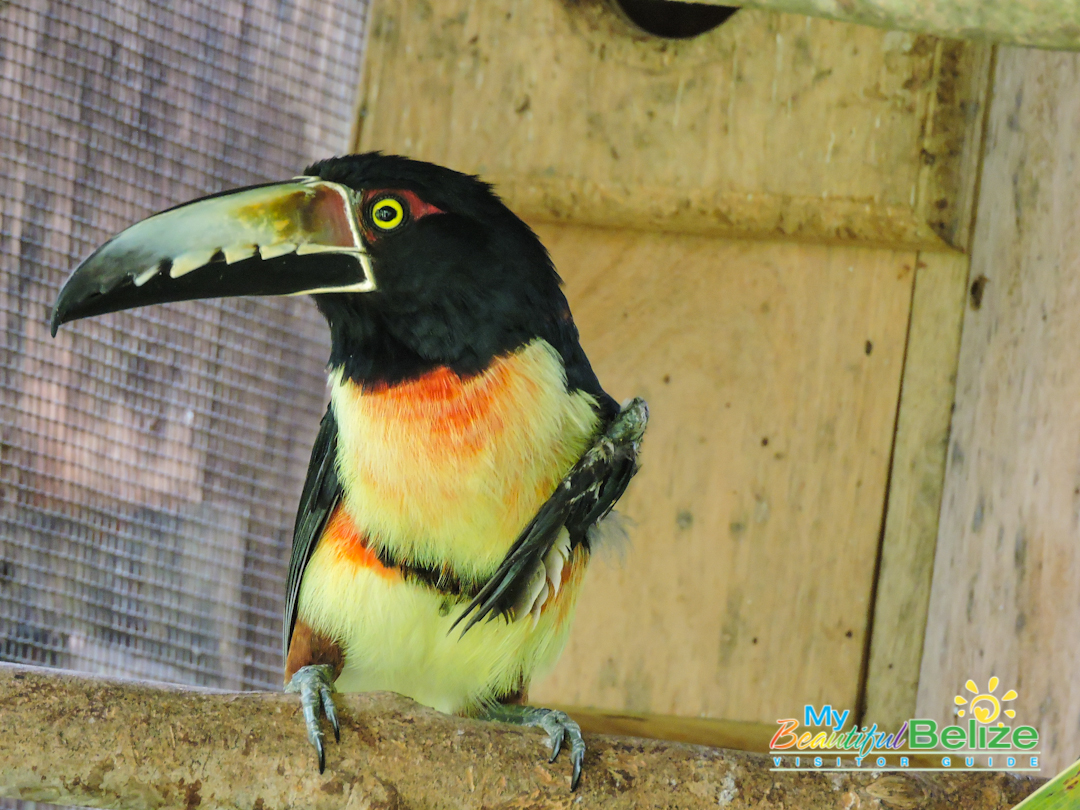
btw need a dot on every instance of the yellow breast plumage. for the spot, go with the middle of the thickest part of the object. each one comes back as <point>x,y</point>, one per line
<point>444,471</point>
<point>448,470</point>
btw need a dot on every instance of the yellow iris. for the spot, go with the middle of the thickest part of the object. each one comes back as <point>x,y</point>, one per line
<point>387,213</point>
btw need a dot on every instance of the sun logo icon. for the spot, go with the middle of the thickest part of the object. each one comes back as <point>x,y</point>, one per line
<point>985,706</point>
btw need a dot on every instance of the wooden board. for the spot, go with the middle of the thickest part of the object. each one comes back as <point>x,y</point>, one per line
<point>915,484</point>
<point>772,125</point>
<point>1053,24</point>
<point>772,372</point>
<point>733,734</point>
<point>1007,573</point>
<point>775,127</point>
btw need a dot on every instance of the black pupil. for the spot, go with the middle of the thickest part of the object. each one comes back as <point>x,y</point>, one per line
<point>385,213</point>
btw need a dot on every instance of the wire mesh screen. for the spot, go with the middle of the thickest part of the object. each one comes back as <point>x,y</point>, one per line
<point>151,461</point>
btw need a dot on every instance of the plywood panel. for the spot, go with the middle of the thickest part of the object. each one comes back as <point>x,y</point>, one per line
<point>915,484</point>
<point>1006,593</point>
<point>740,736</point>
<point>772,372</point>
<point>771,125</point>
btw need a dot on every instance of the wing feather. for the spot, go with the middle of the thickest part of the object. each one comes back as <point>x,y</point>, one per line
<point>321,494</point>
<point>584,497</point>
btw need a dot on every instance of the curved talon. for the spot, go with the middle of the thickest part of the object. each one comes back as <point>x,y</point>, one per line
<point>555,739</point>
<point>315,686</point>
<point>558,726</point>
<point>330,710</point>
<point>577,756</point>
<point>555,724</point>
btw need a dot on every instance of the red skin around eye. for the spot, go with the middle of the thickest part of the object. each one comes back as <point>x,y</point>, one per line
<point>417,207</point>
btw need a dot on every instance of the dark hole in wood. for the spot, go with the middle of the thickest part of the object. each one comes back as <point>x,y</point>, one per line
<point>977,288</point>
<point>671,20</point>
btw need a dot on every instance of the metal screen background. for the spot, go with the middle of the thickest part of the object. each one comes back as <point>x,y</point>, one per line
<point>151,461</point>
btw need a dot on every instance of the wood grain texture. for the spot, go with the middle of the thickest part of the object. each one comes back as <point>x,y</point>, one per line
<point>1036,23</point>
<point>733,734</point>
<point>1007,573</point>
<point>772,125</point>
<point>772,372</point>
<point>915,485</point>
<point>108,743</point>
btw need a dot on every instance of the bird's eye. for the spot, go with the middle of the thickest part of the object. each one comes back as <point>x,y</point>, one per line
<point>387,213</point>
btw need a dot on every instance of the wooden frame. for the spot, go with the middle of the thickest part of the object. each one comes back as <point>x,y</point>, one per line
<point>574,115</point>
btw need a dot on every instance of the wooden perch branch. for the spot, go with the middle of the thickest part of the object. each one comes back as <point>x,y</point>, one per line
<point>74,739</point>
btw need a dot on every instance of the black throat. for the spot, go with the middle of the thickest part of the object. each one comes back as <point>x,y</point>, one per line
<point>376,344</point>
<point>373,348</point>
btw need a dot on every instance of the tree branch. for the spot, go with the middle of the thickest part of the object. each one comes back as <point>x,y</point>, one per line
<point>75,739</point>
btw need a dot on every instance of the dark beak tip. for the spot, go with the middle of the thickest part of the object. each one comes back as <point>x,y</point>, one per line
<point>56,320</point>
<point>60,311</point>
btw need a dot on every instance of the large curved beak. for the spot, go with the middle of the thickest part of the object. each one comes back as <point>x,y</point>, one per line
<point>290,238</point>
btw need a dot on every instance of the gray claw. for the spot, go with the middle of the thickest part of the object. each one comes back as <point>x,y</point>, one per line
<point>330,710</point>
<point>555,724</point>
<point>558,726</point>
<point>555,739</point>
<point>577,755</point>
<point>315,686</point>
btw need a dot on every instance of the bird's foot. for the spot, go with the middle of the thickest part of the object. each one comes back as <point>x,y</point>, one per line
<point>560,728</point>
<point>315,686</point>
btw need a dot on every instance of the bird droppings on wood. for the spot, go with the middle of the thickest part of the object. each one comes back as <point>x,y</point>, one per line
<point>192,797</point>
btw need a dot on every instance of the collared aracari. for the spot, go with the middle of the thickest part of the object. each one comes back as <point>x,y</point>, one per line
<point>468,453</point>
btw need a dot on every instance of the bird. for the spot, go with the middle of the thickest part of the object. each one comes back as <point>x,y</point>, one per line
<point>469,459</point>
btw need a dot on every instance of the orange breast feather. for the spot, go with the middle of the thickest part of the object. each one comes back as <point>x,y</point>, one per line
<point>447,470</point>
<point>456,414</point>
<point>350,545</point>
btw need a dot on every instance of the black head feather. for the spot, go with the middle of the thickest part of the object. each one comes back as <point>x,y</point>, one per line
<point>456,288</point>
